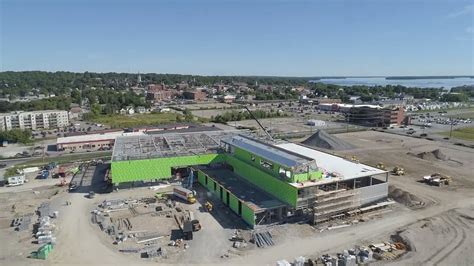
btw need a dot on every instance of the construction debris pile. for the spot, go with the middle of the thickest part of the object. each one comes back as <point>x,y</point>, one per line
<point>355,256</point>
<point>152,227</point>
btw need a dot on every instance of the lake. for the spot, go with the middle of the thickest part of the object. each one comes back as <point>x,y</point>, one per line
<point>421,83</point>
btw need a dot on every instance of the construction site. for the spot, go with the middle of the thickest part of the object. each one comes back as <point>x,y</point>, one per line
<point>232,197</point>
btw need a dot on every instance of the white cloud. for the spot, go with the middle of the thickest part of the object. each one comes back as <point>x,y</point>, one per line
<point>469,9</point>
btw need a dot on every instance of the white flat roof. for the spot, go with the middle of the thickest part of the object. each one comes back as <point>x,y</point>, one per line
<point>342,168</point>
<point>95,137</point>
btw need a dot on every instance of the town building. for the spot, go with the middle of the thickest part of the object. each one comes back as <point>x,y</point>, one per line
<point>75,113</point>
<point>196,95</point>
<point>47,119</point>
<point>158,93</point>
<point>227,98</point>
<point>140,110</point>
<point>91,142</point>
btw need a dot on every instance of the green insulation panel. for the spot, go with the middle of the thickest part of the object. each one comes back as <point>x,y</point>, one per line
<point>248,215</point>
<point>274,186</point>
<point>317,175</point>
<point>160,168</point>
<point>234,203</point>
<point>254,160</point>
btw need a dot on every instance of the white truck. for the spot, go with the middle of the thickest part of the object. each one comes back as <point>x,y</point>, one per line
<point>16,180</point>
<point>185,194</point>
<point>27,170</point>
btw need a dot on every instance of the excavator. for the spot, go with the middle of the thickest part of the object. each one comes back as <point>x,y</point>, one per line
<point>397,170</point>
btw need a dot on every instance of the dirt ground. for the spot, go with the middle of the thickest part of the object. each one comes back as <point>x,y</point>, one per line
<point>437,222</point>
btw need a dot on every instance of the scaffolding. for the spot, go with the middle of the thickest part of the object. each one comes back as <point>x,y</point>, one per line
<point>332,204</point>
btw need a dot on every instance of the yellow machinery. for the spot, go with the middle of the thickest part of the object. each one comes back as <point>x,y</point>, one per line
<point>381,166</point>
<point>397,170</point>
<point>354,159</point>
<point>209,206</point>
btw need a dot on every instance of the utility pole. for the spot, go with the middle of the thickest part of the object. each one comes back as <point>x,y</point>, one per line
<point>451,130</point>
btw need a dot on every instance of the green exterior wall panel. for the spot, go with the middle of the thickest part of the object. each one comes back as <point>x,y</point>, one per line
<point>234,203</point>
<point>201,178</point>
<point>274,186</point>
<point>248,215</point>
<point>138,170</point>
<point>305,176</point>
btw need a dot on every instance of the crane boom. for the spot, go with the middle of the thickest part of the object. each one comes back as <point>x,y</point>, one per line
<point>258,122</point>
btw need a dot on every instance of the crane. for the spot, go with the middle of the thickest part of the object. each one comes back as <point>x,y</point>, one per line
<point>258,122</point>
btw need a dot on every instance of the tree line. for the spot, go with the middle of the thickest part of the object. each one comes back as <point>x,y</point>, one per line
<point>244,115</point>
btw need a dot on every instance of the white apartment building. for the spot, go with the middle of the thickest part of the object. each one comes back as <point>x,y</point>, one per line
<point>48,119</point>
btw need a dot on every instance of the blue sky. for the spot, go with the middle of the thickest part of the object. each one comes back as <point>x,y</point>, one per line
<point>287,38</point>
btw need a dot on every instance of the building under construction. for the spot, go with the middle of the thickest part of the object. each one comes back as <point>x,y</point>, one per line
<point>263,182</point>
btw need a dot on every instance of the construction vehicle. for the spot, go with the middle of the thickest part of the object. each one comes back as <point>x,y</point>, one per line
<point>397,170</point>
<point>381,166</point>
<point>437,179</point>
<point>208,206</point>
<point>355,159</point>
<point>185,194</point>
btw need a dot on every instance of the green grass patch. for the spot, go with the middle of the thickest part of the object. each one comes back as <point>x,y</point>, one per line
<point>68,158</point>
<point>462,115</point>
<point>466,133</point>
<point>122,121</point>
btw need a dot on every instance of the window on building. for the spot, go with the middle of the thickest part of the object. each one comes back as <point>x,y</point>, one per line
<point>285,173</point>
<point>266,164</point>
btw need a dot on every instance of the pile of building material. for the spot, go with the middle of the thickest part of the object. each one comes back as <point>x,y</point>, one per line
<point>152,252</point>
<point>44,209</point>
<point>42,252</point>
<point>299,261</point>
<point>321,139</point>
<point>45,227</point>
<point>45,231</point>
<point>262,239</point>
<point>22,223</point>
<point>359,255</point>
